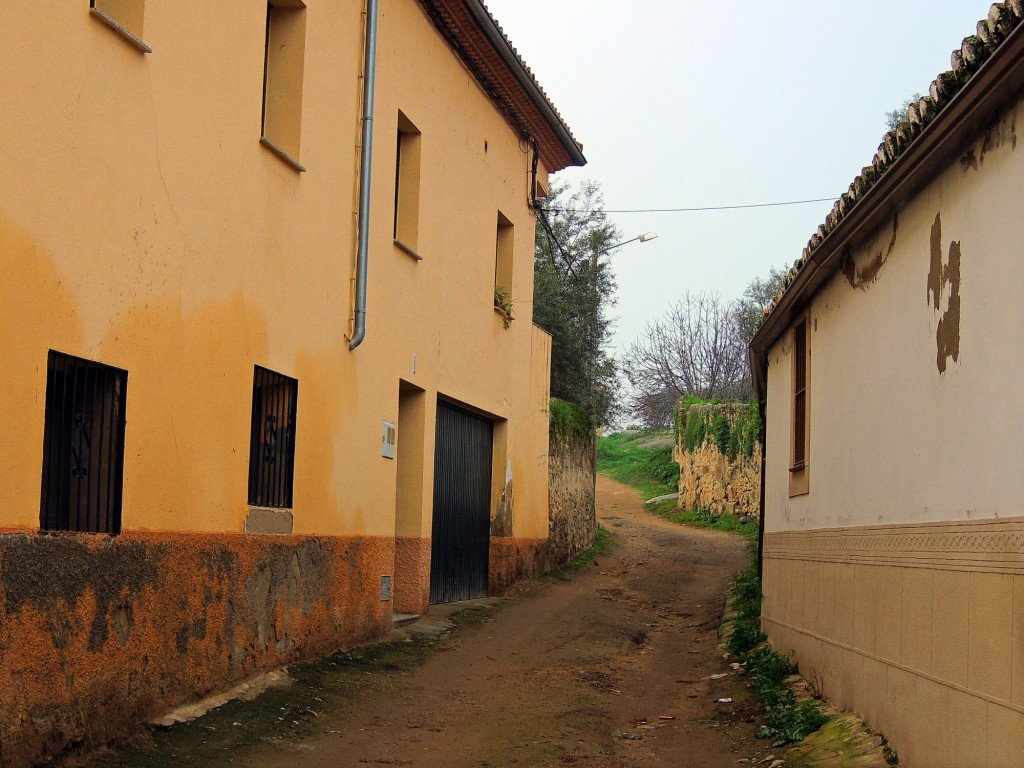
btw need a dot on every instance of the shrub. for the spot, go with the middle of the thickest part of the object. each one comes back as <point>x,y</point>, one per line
<point>569,420</point>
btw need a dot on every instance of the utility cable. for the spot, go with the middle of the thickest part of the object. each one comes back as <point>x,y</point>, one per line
<point>696,209</point>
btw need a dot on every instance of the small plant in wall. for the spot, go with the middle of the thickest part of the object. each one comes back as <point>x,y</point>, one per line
<point>503,303</point>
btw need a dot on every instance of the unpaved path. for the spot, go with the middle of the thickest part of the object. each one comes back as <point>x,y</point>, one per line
<point>610,669</point>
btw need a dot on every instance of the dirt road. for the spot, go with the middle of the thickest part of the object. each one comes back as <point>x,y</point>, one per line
<point>613,668</point>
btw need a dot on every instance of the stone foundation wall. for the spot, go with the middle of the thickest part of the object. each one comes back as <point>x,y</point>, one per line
<point>709,479</point>
<point>510,560</point>
<point>572,520</point>
<point>718,450</point>
<point>99,633</point>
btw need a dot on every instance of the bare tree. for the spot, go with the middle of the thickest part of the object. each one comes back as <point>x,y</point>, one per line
<point>698,348</point>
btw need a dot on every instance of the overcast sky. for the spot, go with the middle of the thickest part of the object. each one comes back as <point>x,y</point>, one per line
<point>690,103</point>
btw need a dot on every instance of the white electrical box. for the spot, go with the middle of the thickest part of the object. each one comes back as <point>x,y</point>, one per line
<point>387,442</point>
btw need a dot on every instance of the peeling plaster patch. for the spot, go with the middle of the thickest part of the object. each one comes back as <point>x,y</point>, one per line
<point>501,525</point>
<point>861,279</point>
<point>947,333</point>
<point>52,573</point>
<point>1001,131</point>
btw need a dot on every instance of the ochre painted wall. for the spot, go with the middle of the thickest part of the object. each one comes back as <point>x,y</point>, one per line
<point>899,578</point>
<point>144,226</point>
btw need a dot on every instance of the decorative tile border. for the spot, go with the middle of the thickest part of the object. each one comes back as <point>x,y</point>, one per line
<point>991,545</point>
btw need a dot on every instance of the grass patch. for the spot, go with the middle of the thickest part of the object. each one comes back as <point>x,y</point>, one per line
<point>785,718</point>
<point>703,518</point>
<point>641,459</point>
<point>603,542</point>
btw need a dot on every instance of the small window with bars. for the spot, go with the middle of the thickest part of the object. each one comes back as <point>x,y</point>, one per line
<point>83,446</point>
<point>272,441</point>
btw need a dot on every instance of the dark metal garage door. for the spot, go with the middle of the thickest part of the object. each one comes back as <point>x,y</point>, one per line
<point>462,506</point>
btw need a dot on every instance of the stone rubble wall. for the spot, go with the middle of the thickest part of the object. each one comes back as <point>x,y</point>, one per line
<point>571,516</point>
<point>709,478</point>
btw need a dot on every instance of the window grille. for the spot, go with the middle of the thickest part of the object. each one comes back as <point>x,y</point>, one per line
<point>272,441</point>
<point>83,446</point>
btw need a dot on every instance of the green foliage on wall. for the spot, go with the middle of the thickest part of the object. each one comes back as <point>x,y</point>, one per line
<point>694,433</point>
<point>734,428</point>
<point>569,421</point>
<point>720,432</point>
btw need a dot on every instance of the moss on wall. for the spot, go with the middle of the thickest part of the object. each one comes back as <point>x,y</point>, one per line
<point>718,449</point>
<point>734,428</point>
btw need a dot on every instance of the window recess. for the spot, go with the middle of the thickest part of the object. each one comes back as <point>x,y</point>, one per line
<point>800,433</point>
<point>283,66</point>
<point>272,439</point>
<point>83,446</point>
<point>407,186</point>
<point>124,17</point>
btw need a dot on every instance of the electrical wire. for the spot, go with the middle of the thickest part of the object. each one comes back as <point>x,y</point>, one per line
<point>696,209</point>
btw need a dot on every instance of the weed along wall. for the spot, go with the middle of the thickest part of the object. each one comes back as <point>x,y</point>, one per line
<point>718,450</point>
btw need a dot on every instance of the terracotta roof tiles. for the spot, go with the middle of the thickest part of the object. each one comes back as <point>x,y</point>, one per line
<point>965,61</point>
<point>481,43</point>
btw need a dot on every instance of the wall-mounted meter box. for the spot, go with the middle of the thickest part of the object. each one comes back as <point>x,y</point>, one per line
<point>387,440</point>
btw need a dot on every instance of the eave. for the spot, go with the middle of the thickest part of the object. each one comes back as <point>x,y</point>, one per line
<point>479,42</point>
<point>998,81</point>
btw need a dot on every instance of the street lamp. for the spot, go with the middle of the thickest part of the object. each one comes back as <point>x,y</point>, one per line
<point>641,238</point>
<point>596,313</point>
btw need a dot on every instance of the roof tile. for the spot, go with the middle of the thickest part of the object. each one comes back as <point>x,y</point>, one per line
<point>975,49</point>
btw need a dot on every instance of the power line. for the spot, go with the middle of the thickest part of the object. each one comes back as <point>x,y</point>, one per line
<point>698,209</point>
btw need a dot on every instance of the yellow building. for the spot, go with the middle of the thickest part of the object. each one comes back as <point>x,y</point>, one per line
<point>269,371</point>
<point>893,554</point>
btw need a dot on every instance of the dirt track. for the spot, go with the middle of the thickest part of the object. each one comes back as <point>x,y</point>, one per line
<point>609,669</point>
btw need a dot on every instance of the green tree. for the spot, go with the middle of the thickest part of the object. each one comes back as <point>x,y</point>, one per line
<point>896,116</point>
<point>573,294</point>
<point>757,297</point>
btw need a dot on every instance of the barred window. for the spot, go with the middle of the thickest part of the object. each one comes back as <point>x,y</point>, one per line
<point>83,446</point>
<point>272,441</point>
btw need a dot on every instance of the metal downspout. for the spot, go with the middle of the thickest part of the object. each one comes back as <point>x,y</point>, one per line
<point>365,168</point>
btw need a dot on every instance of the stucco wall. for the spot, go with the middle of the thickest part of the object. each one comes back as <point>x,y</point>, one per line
<point>144,226</point>
<point>899,577</point>
<point>100,633</point>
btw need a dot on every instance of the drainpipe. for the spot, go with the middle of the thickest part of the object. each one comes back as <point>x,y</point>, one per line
<point>365,167</point>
